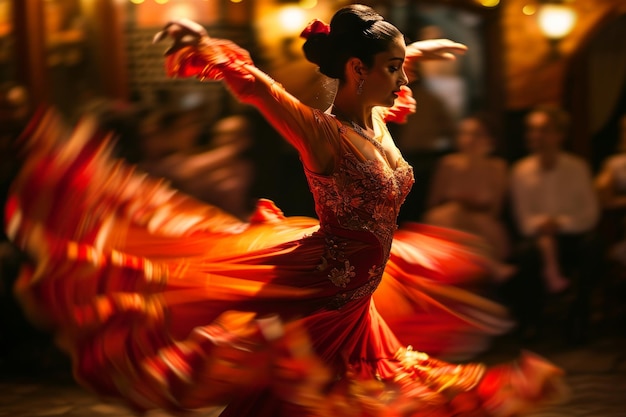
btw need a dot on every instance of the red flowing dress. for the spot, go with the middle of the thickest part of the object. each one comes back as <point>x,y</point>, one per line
<point>169,303</point>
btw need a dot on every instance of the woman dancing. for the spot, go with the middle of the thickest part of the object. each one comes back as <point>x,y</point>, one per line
<point>173,304</point>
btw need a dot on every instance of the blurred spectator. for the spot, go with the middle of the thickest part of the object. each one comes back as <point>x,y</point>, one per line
<point>611,186</point>
<point>470,185</point>
<point>14,112</point>
<point>23,349</point>
<point>443,77</point>
<point>219,174</point>
<point>556,211</point>
<point>431,128</point>
<point>423,139</point>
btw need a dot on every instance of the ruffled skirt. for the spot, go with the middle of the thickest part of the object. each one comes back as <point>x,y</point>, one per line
<point>166,302</point>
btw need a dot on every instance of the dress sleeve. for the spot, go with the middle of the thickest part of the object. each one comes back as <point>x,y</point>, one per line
<point>312,133</point>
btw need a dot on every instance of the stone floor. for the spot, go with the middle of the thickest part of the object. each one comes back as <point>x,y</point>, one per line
<point>596,374</point>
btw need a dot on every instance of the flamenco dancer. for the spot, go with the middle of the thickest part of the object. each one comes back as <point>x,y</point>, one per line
<point>169,303</point>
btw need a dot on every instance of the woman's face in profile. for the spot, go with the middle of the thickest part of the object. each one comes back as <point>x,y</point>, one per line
<point>386,76</point>
<point>472,138</point>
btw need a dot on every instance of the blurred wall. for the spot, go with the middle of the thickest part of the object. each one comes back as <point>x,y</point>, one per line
<point>531,76</point>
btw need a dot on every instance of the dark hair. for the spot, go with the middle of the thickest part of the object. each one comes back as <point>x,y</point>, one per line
<point>558,118</point>
<point>355,31</point>
<point>488,122</point>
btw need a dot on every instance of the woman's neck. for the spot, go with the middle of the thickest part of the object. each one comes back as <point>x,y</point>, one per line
<point>347,108</point>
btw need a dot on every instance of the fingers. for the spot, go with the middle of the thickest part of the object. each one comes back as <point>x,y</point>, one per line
<point>445,44</point>
<point>183,31</point>
<point>159,36</point>
<point>178,26</point>
<point>191,26</point>
<point>436,49</point>
<point>449,56</point>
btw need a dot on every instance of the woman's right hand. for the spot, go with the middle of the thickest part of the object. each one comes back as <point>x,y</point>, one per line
<point>184,32</point>
<point>195,54</point>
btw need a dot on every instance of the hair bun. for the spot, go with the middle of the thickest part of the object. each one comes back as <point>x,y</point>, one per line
<point>317,50</point>
<point>354,31</point>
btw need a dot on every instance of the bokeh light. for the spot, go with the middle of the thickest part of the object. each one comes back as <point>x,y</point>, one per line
<point>489,3</point>
<point>556,20</point>
<point>529,9</point>
<point>291,19</point>
<point>308,4</point>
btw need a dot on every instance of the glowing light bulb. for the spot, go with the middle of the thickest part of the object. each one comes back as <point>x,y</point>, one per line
<point>556,20</point>
<point>489,3</point>
<point>529,9</point>
<point>291,19</point>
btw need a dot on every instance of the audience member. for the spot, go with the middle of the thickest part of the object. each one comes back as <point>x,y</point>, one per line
<point>444,78</point>
<point>611,186</point>
<point>469,186</point>
<point>219,174</point>
<point>556,211</point>
<point>23,348</point>
<point>423,139</point>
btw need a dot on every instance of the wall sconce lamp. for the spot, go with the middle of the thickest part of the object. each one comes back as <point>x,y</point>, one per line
<point>556,20</point>
<point>291,21</point>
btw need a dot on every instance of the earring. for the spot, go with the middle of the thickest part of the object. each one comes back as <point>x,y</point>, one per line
<point>359,89</point>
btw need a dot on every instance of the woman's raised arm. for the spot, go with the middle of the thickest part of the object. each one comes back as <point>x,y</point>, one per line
<point>195,54</point>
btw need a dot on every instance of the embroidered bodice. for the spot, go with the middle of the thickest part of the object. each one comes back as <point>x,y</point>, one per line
<point>362,195</point>
<point>358,203</point>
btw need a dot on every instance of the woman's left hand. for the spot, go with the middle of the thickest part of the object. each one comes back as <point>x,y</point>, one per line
<point>434,49</point>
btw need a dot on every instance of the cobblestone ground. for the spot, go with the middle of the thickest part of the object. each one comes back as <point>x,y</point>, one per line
<point>596,374</point>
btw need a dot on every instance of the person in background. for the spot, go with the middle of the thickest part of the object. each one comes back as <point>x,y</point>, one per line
<point>556,210</point>
<point>444,78</point>
<point>611,187</point>
<point>23,348</point>
<point>423,139</point>
<point>218,173</point>
<point>469,186</point>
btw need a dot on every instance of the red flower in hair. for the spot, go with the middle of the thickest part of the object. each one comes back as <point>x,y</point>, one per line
<point>314,27</point>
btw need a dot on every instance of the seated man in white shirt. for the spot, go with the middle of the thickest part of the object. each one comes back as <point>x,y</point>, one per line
<point>556,210</point>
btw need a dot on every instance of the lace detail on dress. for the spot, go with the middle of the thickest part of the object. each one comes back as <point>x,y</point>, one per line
<point>363,196</point>
<point>341,277</point>
<point>344,298</point>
